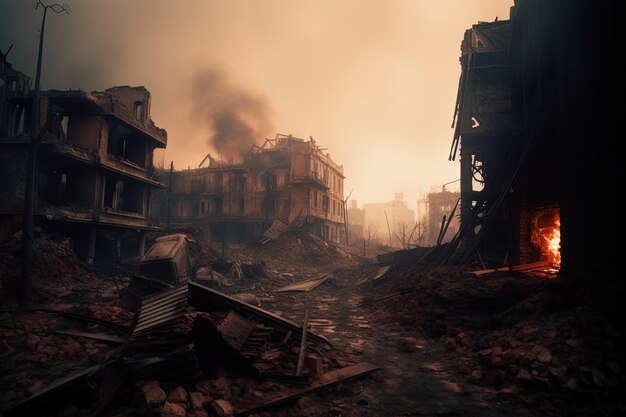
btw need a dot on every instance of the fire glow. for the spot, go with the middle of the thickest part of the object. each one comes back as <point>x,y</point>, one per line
<point>554,244</point>
<point>546,237</point>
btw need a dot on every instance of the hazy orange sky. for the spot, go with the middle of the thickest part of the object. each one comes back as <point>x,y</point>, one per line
<point>373,81</point>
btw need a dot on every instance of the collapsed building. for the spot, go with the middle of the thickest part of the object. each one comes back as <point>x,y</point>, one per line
<point>94,165</point>
<point>535,129</point>
<point>287,179</point>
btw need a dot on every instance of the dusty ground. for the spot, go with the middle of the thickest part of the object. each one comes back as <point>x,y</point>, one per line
<point>422,382</point>
<point>453,346</point>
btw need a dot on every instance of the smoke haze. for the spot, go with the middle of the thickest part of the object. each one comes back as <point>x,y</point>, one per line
<point>373,81</point>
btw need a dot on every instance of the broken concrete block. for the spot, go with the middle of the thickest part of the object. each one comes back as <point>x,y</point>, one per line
<point>153,394</point>
<point>196,400</point>
<point>476,375</point>
<point>72,347</point>
<point>173,410</point>
<point>543,354</point>
<point>314,364</point>
<point>222,387</point>
<point>523,374</point>
<point>221,383</point>
<point>223,408</point>
<point>177,395</point>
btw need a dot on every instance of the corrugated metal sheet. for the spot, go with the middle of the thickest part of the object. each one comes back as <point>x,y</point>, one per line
<point>206,299</point>
<point>161,311</point>
<point>305,286</point>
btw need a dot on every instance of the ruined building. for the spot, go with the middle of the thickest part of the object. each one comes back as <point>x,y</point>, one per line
<point>94,172</point>
<point>536,127</point>
<point>390,219</point>
<point>356,220</point>
<point>439,204</point>
<point>287,179</point>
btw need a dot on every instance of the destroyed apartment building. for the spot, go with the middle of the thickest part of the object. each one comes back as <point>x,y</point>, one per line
<point>94,167</point>
<point>288,179</point>
<point>535,131</point>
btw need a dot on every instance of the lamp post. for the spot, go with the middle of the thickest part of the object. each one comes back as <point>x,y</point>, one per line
<point>33,144</point>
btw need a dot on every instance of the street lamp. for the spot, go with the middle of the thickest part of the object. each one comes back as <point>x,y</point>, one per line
<point>29,192</point>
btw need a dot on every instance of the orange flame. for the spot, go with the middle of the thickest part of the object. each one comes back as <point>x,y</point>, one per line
<point>554,244</point>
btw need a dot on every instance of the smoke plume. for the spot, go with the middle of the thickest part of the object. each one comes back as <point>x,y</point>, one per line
<point>236,117</point>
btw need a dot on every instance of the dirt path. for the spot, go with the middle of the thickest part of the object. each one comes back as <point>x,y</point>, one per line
<point>420,383</point>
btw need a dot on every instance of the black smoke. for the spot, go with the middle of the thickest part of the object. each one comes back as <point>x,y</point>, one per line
<point>236,117</point>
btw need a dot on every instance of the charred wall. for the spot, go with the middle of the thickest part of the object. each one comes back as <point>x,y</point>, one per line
<point>590,110</point>
<point>568,81</point>
<point>288,179</point>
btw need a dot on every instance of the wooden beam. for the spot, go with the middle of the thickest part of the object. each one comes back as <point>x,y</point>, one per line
<point>100,337</point>
<point>305,328</point>
<point>329,379</point>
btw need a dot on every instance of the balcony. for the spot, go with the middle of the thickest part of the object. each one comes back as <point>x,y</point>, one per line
<point>123,166</point>
<point>108,216</point>
<point>314,178</point>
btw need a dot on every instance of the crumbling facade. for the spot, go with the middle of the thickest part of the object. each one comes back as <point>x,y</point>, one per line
<point>94,167</point>
<point>443,216</point>
<point>536,128</point>
<point>287,179</point>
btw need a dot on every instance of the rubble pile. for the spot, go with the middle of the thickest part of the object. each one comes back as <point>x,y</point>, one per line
<point>54,261</point>
<point>52,340</point>
<point>297,247</point>
<point>192,351</point>
<point>37,348</point>
<point>514,332</point>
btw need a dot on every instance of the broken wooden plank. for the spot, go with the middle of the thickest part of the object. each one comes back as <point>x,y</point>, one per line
<point>305,286</point>
<point>113,326</point>
<point>403,291</point>
<point>381,272</point>
<point>519,268</point>
<point>237,267</point>
<point>100,337</point>
<point>329,379</point>
<point>273,232</point>
<point>287,336</point>
<point>305,327</point>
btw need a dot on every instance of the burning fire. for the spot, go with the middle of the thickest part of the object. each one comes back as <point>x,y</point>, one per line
<point>554,243</point>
